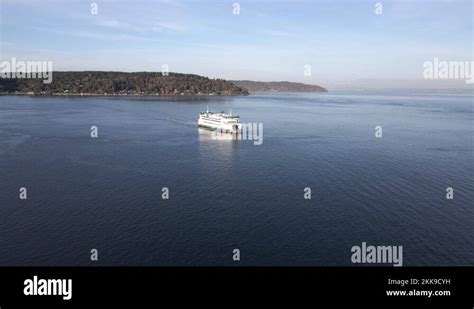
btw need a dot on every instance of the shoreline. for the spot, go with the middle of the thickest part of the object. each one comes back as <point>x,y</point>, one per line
<point>119,95</point>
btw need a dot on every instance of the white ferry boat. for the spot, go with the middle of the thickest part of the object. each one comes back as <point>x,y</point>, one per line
<point>220,121</point>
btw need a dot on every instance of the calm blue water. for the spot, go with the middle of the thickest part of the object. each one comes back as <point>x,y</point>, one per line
<point>105,193</point>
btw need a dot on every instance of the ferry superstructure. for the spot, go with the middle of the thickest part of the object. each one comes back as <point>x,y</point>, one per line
<point>220,121</point>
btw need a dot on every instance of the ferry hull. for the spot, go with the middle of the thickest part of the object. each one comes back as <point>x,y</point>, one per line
<point>228,128</point>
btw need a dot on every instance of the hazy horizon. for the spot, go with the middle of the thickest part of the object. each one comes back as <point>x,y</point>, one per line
<point>345,43</point>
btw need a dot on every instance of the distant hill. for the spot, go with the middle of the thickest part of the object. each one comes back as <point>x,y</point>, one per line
<point>119,83</point>
<point>277,86</point>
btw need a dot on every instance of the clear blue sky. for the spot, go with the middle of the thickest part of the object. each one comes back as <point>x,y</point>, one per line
<point>345,42</point>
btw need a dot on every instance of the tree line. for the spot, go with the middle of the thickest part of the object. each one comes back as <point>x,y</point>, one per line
<point>101,83</point>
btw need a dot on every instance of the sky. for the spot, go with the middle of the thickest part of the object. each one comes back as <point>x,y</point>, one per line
<point>345,43</point>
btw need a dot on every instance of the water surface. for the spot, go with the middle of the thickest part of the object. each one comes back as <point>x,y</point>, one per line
<point>105,193</point>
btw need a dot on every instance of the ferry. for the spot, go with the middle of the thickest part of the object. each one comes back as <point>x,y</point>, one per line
<point>229,123</point>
